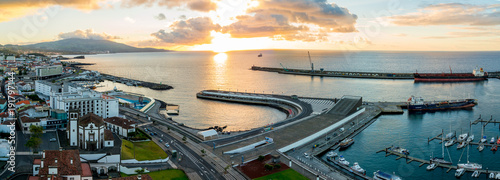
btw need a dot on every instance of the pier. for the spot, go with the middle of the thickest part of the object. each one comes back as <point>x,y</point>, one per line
<point>480,120</point>
<point>131,82</point>
<point>422,162</point>
<point>444,139</point>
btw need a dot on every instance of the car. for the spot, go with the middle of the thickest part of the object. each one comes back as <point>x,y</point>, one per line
<point>160,140</point>
<point>155,133</point>
<point>52,139</point>
<point>151,134</point>
<point>166,145</point>
<point>307,155</point>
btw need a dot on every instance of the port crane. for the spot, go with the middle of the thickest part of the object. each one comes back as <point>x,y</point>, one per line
<point>284,68</point>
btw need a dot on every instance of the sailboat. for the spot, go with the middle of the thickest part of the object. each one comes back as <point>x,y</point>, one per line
<point>470,165</point>
<point>440,160</point>
<point>471,137</point>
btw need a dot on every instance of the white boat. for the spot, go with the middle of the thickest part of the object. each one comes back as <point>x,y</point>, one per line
<point>497,176</point>
<point>379,175</point>
<point>480,147</point>
<point>462,137</point>
<point>470,138</point>
<point>459,172</point>
<point>431,166</point>
<point>469,165</point>
<point>400,150</point>
<point>449,143</point>
<point>461,145</point>
<point>483,140</point>
<point>358,168</point>
<point>492,176</point>
<point>492,140</point>
<point>475,174</point>
<point>450,135</point>
<point>343,161</point>
<point>440,160</point>
<point>331,154</point>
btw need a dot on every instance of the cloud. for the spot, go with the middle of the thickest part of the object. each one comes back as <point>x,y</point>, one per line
<point>292,20</point>
<point>10,9</point>
<point>161,16</point>
<point>188,32</point>
<point>87,34</point>
<point>129,19</point>
<point>401,35</point>
<point>451,14</point>
<point>197,5</point>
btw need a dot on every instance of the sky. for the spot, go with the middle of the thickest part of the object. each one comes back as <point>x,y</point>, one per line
<point>226,25</point>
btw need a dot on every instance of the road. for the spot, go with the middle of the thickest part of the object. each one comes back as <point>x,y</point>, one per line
<point>188,157</point>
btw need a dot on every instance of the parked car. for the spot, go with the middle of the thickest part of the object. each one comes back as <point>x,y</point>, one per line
<point>52,139</point>
<point>166,145</point>
<point>160,140</point>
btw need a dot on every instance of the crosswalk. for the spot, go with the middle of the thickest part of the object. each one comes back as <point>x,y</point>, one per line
<point>318,105</point>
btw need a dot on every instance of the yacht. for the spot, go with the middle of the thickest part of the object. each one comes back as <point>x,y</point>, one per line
<point>400,150</point>
<point>379,175</point>
<point>331,154</point>
<point>345,143</point>
<point>492,140</point>
<point>431,166</point>
<point>462,137</point>
<point>480,147</point>
<point>492,176</point>
<point>440,160</point>
<point>450,142</point>
<point>461,145</point>
<point>459,172</point>
<point>450,135</point>
<point>469,165</point>
<point>358,168</point>
<point>342,161</point>
<point>470,138</point>
<point>483,140</point>
<point>475,174</point>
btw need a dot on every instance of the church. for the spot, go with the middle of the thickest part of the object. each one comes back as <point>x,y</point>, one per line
<point>88,132</point>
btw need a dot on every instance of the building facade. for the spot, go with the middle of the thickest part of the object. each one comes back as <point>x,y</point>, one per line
<point>120,126</point>
<point>87,132</point>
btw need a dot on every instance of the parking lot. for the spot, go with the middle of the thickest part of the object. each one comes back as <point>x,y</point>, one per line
<point>45,145</point>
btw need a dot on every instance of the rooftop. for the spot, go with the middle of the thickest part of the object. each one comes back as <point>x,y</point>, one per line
<point>90,118</point>
<point>124,123</point>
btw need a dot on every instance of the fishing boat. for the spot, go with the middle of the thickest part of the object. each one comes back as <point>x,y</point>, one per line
<point>476,75</point>
<point>260,55</point>
<point>358,168</point>
<point>431,166</point>
<point>449,143</point>
<point>462,137</point>
<point>346,143</point>
<point>418,104</point>
<point>480,147</point>
<point>379,175</point>
<point>461,145</point>
<point>475,174</point>
<point>492,140</point>
<point>342,161</point>
<point>459,172</point>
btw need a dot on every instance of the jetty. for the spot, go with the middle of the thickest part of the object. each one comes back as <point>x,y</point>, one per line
<point>422,162</point>
<point>481,120</point>
<point>131,82</point>
<point>444,139</point>
<point>347,74</point>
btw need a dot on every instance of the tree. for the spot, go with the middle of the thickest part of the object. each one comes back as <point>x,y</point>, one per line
<point>34,142</point>
<point>139,171</point>
<point>36,130</point>
<point>184,139</point>
<point>277,166</point>
<point>268,167</point>
<point>261,158</point>
<point>203,151</point>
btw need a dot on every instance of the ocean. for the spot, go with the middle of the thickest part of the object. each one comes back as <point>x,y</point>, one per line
<point>191,72</point>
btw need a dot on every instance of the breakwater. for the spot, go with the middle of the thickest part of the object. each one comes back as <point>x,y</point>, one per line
<point>348,74</point>
<point>131,82</point>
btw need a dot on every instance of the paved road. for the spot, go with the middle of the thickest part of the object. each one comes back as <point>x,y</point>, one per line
<point>188,157</point>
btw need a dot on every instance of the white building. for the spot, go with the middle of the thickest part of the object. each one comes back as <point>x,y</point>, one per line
<point>86,101</point>
<point>44,88</point>
<point>46,71</point>
<point>120,126</point>
<point>26,122</point>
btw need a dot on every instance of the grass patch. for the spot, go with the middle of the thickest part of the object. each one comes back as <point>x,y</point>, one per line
<point>288,174</point>
<point>169,174</point>
<point>147,150</point>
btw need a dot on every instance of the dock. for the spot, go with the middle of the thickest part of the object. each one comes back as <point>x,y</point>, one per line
<point>481,120</point>
<point>345,74</point>
<point>422,162</point>
<point>444,139</point>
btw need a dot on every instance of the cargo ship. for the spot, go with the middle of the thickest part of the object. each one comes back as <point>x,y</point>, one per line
<point>418,104</point>
<point>476,75</point>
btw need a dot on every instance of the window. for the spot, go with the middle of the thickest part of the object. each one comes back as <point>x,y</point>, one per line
<point>109,143</point>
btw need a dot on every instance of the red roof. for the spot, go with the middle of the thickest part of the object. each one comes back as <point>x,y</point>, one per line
<point>23,102</point>
<point>33,178</point>
<point>26,119</point>
<point>124,123</point>
<point>64,165</point>
<point>86,170</point>
<point>37,161</point>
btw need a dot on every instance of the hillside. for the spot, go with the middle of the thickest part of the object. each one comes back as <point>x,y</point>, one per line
<point>87,46</point>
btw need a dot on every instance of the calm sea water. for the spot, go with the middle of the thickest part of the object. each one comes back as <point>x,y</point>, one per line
<point>191,72</point>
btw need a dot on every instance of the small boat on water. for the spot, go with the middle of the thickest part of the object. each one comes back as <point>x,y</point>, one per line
<point>469,165</point>
<point>497,176</point>
<point>400,150</point>
<point>450,135</point>
<point>480,147</point>
<point>379,175</point>
<point>346,143</point>
<point>358,168</point>
<point>462,137</point>
<point>470,138</point>
<point>483,140</point>
<point>461,145</point>
<point>331,154</point>
<point>494,148</point>
<point>498,141</point>
<point>459,172</point>
<point>449,143</point>
<point>418,104</point>
<point>492,140</point>
<point>492,176</point>
<point>431,166</point>
<point>342,161</point>
<point>475,174</point>
<point>260,55</point>
<point>438,160</point>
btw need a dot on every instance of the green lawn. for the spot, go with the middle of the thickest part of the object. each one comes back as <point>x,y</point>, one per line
<point>147,150</point>
<point>169,174</point>
<point>288,174</point>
